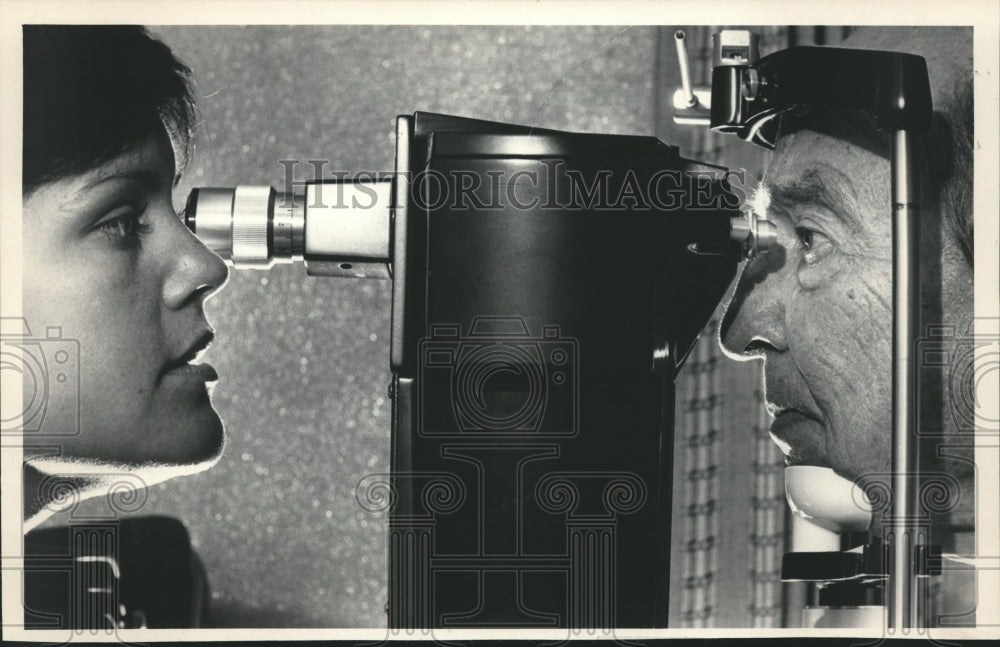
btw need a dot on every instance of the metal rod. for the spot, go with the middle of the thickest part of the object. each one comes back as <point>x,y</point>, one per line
<point>682,59</point>
<point>904,533</point>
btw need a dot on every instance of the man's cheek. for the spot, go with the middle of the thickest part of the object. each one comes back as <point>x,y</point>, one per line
<point>841,336</point>
<point>842,340</point>
<point>866,287</point>
<point>850,301</point>
<point>820,276</point>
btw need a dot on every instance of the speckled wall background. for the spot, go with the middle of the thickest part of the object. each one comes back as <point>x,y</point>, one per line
<point>304,362</point>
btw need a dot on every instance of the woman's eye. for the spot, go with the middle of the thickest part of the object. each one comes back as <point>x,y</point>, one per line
<point>124,226</point>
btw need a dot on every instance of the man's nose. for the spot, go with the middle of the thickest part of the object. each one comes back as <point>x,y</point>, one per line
<point>755,317</point>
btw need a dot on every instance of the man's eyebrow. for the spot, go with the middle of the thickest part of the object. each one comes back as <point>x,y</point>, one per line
<point>826,188</point>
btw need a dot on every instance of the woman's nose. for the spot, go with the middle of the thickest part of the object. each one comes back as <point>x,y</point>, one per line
<point>195,271</point>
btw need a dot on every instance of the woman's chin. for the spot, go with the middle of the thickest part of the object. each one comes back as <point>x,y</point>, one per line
<point>188,436</point>
<point>165,446</point>
<point>200,445</point>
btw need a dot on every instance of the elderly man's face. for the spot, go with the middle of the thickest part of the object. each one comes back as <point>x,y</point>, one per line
<point>818,308</point>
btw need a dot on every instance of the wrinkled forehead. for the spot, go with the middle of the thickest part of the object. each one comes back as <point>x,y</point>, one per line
<point>854,127</point>
<point>834,160</point>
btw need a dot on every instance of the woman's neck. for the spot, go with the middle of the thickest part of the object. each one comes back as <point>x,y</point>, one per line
<point>46,494</point>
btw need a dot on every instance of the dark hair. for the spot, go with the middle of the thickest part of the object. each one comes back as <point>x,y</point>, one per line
<point>950,164</point>
<point>948,146</point>
<point>93,92</point>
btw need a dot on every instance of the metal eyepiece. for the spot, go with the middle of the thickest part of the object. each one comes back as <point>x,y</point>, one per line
<point>254,227</point>
<point>249,226</point>
<point>754,234</point>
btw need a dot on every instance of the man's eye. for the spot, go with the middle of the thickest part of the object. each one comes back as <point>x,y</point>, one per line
<point>124,226</point>
<point>805,236</point>
<point>814,244</point>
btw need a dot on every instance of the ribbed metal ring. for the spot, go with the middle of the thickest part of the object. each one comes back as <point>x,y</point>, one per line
<point>251,207</point>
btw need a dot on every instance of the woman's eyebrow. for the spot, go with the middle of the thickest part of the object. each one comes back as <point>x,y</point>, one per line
<point>826,188</point>
<point>149,179</point>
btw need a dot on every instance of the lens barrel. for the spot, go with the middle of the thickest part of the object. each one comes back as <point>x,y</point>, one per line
<point>346,233</point>
<point>250,226</point>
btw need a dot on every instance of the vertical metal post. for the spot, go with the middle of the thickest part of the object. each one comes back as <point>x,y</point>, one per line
<point>682,59</point>
<point>904,533</point>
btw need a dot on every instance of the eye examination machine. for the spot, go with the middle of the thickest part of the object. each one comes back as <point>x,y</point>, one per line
<point>546,289</point>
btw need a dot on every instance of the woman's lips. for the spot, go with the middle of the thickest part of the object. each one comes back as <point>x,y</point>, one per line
<point>199,372</point>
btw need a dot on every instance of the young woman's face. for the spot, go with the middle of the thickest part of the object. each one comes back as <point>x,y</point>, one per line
<point>107,260</point>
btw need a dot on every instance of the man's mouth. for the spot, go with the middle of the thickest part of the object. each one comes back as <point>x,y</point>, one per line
<point>796,434</point>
